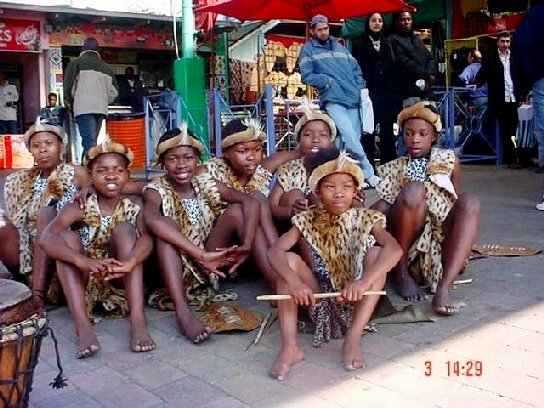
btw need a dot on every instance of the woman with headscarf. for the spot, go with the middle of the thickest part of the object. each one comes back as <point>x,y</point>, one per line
<point>375,56</point>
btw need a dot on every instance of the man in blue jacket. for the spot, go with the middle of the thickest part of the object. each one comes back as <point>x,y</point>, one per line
<point>528,64</point>
<point>328,66</point>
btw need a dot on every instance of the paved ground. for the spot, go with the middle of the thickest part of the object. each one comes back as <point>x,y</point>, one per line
<point>501,327</point>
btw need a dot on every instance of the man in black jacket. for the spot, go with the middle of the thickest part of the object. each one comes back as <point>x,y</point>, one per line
<point>414,62</point>
<point>502,98</point>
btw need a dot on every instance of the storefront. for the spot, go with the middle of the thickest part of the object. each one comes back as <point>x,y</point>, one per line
<point>22,61</point>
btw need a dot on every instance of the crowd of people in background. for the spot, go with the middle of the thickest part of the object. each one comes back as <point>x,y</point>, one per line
<point>311,232</point>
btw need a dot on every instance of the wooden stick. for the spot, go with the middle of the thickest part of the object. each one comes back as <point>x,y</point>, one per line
<point>317,295</point>
<point>462,281</point>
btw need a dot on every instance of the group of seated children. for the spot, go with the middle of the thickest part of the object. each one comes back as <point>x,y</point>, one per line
<point>205,220</point>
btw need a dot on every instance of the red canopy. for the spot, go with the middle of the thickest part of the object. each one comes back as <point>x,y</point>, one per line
<point>301,9</point>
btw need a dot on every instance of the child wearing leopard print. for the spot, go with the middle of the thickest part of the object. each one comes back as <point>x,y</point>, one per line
<point>184,212</point>
<point>33,198</point>
<point>351,253</point>
<point>105,241</point>
<point>433,222</point>
<point>243,167</point>
<point>315,130</point>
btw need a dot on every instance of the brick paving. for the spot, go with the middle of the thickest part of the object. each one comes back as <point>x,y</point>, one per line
<point>501,326</point>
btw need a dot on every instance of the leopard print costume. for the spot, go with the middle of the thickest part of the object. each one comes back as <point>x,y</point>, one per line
<point>339,244</point>
<point>23,205</point>
<point>112,299</point>
<point>220,170</point>
<point>292,176</point>
<point>425,255</point>
<point>200,287</point>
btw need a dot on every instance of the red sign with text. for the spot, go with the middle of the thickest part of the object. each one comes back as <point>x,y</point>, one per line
<point>19,35</point>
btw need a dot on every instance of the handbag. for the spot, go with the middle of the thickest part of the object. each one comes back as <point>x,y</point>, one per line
<point>366,112</point>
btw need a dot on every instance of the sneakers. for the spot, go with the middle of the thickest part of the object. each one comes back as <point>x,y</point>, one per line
<point>540,207</point>
<point>373,181</point>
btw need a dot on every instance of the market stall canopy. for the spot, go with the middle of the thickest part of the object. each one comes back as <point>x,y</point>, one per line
<point>303,10</point>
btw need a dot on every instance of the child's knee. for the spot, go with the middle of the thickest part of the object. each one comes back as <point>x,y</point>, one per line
<point>72,239</point>
<point>470,204</point>
<point>234,213</point>
<point>294,260</point>
<point>288,198</point>
<point>412,195</point>
<point>124,231</point>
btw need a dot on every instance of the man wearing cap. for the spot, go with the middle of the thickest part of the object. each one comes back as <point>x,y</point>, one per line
<point>8,107</point>
<point>89,87</point>
<point>328,66</point>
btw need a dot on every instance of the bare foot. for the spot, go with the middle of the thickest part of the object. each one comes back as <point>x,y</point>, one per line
<point>286,358</point>
<point>87,343</point>
<point>353,355</point>
<point>191,327</point>
<point>407,288</point>
<point>443,304</point>
<point>140,340</point>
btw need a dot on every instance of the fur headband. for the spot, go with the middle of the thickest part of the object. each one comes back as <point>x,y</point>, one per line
<point>310,113</point>
<point>40,126</point>
<point>183,139</point>
<point>421,110</point>
<point>342,164</point>
<point>254,132</point>
<point>107,147</point>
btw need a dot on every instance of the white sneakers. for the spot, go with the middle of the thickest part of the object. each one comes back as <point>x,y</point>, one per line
<point>373,181</point>
<point>540,207</point>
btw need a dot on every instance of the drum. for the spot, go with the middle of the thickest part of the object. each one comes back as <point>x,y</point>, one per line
<point>21,333</point>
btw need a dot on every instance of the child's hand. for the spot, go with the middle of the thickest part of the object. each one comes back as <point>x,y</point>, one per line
<point>81,196</point>
<point>359,199</point>
<point>354,291</point>
<point>97,268</point>
<point>298,206</point>
<point>115,271</point>
<point>302,294</point>
<point>211,261</point>
<point>237,257</point>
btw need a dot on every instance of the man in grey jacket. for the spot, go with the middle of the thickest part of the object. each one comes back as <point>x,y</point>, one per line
<point>89,87</point>
<point>328,66</point>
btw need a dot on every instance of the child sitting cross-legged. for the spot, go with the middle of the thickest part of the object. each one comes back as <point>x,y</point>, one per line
<point>434,223</point>
<point>351,253</point>
<point>184,212</point>
<point>104,242</point>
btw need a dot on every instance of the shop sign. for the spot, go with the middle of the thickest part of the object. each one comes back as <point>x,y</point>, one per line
<point>113,36</point>
<point>19,35</point>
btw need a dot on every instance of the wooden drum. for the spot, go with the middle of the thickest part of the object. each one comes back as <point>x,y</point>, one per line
<point>21,333</point>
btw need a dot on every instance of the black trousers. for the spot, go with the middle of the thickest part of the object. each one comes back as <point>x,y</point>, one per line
<point>507,116</point>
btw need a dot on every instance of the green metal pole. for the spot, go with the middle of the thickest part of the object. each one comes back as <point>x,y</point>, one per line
<point>189,78</point>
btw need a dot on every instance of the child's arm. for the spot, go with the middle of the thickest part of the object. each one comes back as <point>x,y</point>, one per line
<point>53,244</point>
<point>134,188</point>
<point>165,228</point>
<point>275,161</point>
<point>456,176</point>
<point>82,178</point>
<point>250,211</point>
<point>277,256</point>
<point>140,252</point>
<point>389,255</point>
<point>280,212</point>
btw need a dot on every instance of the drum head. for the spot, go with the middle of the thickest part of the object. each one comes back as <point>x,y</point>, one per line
<point>15,302</point>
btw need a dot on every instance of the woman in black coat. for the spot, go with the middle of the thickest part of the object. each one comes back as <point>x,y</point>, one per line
<point>375,56</point>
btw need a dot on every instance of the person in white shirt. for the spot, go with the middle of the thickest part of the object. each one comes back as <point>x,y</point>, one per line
<point>8,107</point>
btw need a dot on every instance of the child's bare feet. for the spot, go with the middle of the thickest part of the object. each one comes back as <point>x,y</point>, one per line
<point>407,287</point>
<point>191,327</point>
<point>140,340</point>
<point>87,343</point>
<point>286,358</point>
<point>353,355</point>
<point>443,304</point>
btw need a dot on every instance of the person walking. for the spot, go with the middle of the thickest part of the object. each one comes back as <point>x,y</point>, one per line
<point>328,66</point>
<point>89,87</point>
<point>375,56</point>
